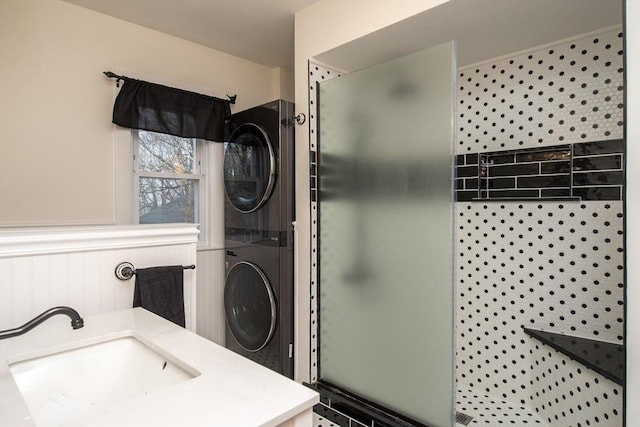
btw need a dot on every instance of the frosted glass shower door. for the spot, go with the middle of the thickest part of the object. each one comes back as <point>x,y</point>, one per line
<point>385,215</point>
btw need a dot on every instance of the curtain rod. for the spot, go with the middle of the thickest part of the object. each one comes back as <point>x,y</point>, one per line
<point>112,75</point>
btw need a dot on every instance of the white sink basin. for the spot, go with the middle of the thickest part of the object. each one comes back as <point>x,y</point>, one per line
<point>110,373</point>
<point>67,385</point>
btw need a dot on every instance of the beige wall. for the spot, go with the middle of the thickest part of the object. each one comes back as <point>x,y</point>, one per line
<point>284,80</point>
<point>325,25</point>
<point>58,163</point>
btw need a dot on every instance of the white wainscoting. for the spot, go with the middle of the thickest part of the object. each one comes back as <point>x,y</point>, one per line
<point>43,268</point>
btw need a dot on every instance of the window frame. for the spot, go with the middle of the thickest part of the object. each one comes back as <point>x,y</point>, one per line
<point>199,176</point>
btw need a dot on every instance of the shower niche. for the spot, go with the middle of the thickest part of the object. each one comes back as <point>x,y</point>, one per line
<point>581,171</point>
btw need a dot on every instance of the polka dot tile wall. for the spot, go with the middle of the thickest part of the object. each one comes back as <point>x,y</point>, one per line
<point>550,265</point>
<point>566,394</point>
<point>570,92</point>
<point>554,266</point>
<point>317,74</point>
<point>319,421</point>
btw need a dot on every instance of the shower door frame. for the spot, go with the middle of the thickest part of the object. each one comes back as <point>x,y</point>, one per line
<point>349,403</point>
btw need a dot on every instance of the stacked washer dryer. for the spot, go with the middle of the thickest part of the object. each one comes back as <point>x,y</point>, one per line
<point>259,212</point>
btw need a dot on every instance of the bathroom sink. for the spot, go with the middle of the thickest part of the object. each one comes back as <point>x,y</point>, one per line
<point>63,386</point>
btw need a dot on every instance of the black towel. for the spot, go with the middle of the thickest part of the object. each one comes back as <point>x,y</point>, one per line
<point>160,290</point>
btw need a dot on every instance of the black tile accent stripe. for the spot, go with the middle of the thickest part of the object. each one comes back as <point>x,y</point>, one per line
<point>598,178</point>
<point>503,158</point>
<point>560,153</point>
<point>514,194</point>
<point>466,196</point>
<point>599,147</point>
<point>547,181</point>
<point>467,159</point>
<point>467,171</point>
<point>515,170</point>
<point>325,400</point>
<point>471,184</point>
<point>346,407</point>
<point>586,170</point>
<point>598,193</point>
<point>597,163</point>
<point>550,193</point>
<point>313,175</point>
<point>555,167</point>
<point>500,183</point>
<point>471,159</point>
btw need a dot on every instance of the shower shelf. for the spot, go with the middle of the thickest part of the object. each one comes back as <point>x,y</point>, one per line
<point>603,357</point>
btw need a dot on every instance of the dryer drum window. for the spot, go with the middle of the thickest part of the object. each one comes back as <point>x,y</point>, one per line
<point>249,306</point>
<point>249,167</point>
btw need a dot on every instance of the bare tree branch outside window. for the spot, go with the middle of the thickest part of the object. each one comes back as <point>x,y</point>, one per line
<point>170,199</point>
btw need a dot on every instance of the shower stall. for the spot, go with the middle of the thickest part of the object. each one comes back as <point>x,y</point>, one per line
<point>471,274</point>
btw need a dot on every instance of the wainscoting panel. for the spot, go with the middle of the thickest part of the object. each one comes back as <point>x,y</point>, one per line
<point>81,275</point>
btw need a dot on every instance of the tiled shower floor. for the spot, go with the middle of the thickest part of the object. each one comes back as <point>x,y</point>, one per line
<point>489,412</point>
<point>486,412</point>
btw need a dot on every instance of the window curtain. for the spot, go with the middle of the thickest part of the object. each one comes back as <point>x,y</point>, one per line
<point>163,109</point>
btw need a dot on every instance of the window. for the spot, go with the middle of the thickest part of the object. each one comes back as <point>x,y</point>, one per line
<point>169,184</point>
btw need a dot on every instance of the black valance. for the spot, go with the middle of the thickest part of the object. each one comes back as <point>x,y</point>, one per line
<point>163,109</point>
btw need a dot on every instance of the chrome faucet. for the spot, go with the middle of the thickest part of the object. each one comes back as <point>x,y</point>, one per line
<point>76,321</point>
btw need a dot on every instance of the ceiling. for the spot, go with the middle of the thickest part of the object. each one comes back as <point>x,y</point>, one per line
<point>262,31</point>
<point>258,30</point>
<point>483,29</point>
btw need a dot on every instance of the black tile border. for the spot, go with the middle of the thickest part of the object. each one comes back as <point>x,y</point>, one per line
<point>335,417</point>
<point>544,181</point>
<point>598,178</point>
<point>467,171</point>
<point>580,171</point>
<point>555,167</point>
<point>313,176</point>
<point>598,193</point>
<point>357,410</point>
<point>514,169</point>
<point>591,163</point>
<point>599,147</point>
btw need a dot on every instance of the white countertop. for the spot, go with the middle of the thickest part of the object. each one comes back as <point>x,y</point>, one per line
<point>231,391</point>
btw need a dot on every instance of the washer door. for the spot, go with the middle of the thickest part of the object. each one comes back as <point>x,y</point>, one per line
<point>249,168</point>
<point>249,306</point>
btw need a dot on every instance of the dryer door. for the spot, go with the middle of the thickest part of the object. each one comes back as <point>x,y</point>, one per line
<point>249,167</point>
<point>249,306</point>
